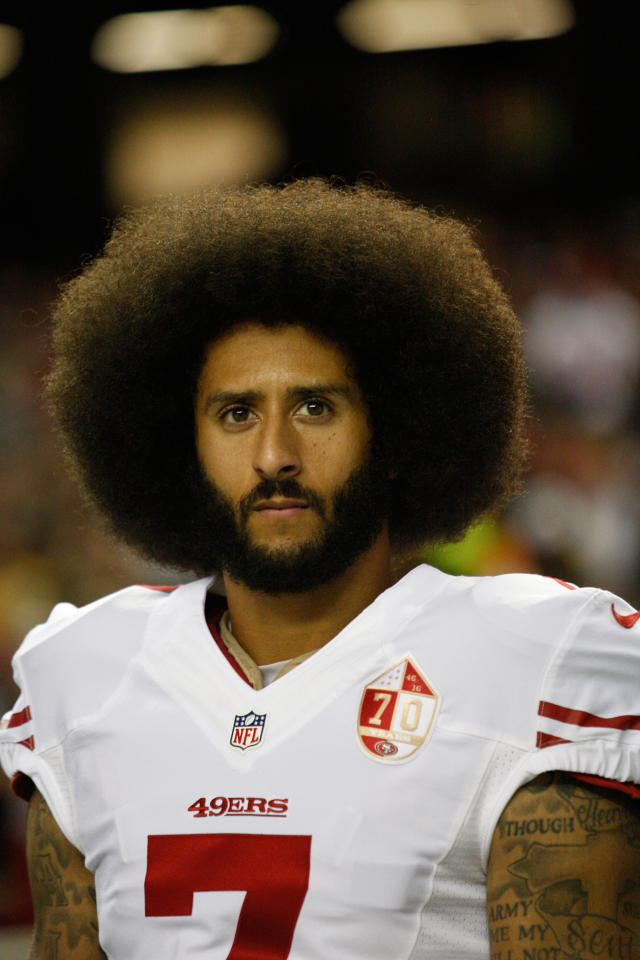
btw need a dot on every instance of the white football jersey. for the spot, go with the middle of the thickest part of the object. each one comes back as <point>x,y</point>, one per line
<point>346,810</point>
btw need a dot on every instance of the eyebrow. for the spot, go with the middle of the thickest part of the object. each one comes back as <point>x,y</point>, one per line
<point>301,392</point>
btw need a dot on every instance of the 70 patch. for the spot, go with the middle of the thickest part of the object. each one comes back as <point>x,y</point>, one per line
<point>397,712</point>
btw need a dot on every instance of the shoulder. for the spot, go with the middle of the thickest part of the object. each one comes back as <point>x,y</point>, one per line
<point>67,667</point>
<point>500,589</point>
<point>113,620</point>
<point>588,710</point>
<point>528,594</point>
<point>588,626</point>
<point>529,605</point>
<point>561,656</point>
<point>593,635</point>
<point>580,631</point>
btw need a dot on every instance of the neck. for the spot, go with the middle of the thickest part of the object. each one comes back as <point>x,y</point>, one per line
<point>271,628</point>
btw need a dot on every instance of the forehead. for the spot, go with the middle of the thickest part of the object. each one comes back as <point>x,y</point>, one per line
<point>253,353</point>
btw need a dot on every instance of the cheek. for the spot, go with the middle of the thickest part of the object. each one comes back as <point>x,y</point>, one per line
<point>341,455</point>
<point>213,460</point>
<point>224,462</point>
<point>355,444</point>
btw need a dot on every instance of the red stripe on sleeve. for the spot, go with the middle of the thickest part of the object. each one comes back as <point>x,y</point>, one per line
<point>153,586</point>
<point>23,716</point>
<point>29,743</point>
<point>581,718</point>
<point>632,789</point>
<point>548,740</point>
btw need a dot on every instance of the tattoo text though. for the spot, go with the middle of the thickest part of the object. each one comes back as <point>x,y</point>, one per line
<point>568,859</point>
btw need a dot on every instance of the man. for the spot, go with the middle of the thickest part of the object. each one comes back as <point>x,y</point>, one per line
<point>302,753</point>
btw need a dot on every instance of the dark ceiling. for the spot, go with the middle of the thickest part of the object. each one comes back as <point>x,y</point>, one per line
<point>527,130</point>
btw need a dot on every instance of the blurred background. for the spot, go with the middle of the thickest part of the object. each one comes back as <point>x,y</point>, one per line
<point>515,115</point>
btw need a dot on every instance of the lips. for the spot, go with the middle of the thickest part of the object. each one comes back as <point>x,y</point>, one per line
<point>280,508</point>
<point>284,504</point>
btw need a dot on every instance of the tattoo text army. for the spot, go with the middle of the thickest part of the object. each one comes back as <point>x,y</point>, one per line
<point>566,883</point>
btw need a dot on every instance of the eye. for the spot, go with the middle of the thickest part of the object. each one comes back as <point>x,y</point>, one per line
<point>315,407</point>
<point>236,415</point>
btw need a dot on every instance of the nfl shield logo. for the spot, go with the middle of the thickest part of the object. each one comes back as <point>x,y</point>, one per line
<point>397,712</point>
<point>247,730</point>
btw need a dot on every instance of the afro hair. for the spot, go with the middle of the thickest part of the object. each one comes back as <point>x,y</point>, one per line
<point>405,292</point>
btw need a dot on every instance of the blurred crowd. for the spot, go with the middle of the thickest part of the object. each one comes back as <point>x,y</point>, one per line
<point>578,518</point>
<point>578,297</point>
<point>51,546</point>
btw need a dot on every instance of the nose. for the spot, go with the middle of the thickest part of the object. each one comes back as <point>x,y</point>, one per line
<point>276,454</point>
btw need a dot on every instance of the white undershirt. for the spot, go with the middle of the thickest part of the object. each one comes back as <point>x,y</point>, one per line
<point>270,671</point>
<point>258,676</point>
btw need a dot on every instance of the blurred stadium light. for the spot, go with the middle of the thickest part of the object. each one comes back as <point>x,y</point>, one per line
<point>10,49</point>
<point>159,145</point>
<point>180,39</point>
<point>382,26</point>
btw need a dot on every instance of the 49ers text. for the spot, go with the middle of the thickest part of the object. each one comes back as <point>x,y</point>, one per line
<point>239,807</point>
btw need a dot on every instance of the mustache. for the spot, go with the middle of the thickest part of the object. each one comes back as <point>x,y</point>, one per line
<point>287,487</point>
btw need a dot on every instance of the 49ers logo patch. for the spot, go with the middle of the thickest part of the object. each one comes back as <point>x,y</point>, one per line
<point>397,712</point>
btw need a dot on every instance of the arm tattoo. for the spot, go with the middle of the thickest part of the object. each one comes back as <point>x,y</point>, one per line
<point>564,874</point>
<point>63,892</point>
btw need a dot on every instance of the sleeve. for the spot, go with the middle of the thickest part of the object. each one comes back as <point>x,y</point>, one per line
<point>22,755</point>
<point>67,669</point>
<point>16,730</point>
<point>588,714</point>
<point>589,709</point>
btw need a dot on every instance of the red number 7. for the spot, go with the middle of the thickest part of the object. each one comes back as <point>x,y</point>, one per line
<point>273,869</point>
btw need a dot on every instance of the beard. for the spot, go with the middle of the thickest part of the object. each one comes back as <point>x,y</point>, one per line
<point>350,523</point>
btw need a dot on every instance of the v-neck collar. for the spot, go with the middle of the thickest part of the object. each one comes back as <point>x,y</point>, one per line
<point>182,657</point>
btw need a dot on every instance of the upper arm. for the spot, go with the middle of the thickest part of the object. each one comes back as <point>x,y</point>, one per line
<point>63,891</point>
<point>564,874</point>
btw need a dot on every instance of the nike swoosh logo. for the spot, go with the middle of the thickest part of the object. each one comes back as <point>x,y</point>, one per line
<point>625,620</point>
